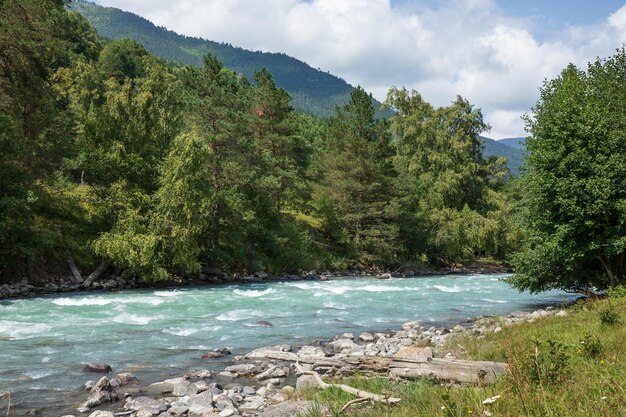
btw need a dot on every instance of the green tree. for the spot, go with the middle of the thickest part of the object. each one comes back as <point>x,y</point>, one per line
<point>445,186</point>
<point>355,195</point>
<point>573,205</point>
<point>32,130</point>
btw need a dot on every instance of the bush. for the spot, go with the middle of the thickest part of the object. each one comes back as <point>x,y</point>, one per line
<point>617,292</point>
<point>549,362</point>
<point>591,346</point>
<point>609,317</point>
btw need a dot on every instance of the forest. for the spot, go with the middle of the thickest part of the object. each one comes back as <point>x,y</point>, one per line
<point>112,157</point>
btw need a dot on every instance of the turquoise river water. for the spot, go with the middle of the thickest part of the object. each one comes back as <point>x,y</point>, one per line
<point>163,333</point>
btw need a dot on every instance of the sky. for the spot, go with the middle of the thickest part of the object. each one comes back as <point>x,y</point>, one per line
<point>495,53</point>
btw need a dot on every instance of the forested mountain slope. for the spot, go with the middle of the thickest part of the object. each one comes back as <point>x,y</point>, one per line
<point>313,91</point>
<point>514,154</point>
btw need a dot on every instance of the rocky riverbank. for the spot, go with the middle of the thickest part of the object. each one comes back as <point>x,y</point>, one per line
<point>24,287</point>
<point>266,381</point>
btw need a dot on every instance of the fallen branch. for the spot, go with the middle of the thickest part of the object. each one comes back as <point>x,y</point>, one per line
<point>353,402</point>
<point>364,395</point>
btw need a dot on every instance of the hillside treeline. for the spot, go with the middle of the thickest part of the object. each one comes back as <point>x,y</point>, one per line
<point>109,156</point>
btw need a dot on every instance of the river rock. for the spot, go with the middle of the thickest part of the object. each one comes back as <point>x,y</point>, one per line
<point>289,409</point>
<point>201,386</point>
<point>98,368</point>
<point>415,353</point>
<point>252,404</point>
<point>146,405</point>
<point>304,382</point>
<point>100,393</point>
<point>264,323</point>
<point>100,413</point>
<point>311,351</point>
<point>178,410</point>
<point>366,337</point>
<point>410,325</point>
<point>341,344</point>
<point>272,372</point>
<point>126,378</point>
<point>200,403</point>
<point>212,355</point>
<point>243,369</point>
<point>178,387</point>
<point>227,412</point>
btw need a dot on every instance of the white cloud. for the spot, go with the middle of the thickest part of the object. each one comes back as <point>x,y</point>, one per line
<point>466,47</point>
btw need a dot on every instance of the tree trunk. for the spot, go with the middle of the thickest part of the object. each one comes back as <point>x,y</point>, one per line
<point>97,273</point>
<point>74,270</point>
<point>609,271</point>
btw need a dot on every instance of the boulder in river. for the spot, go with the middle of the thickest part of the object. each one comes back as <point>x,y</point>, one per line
<point>264,323</point>
<point>101,392</point>
<point>98,368</point>
<point>212,355</point>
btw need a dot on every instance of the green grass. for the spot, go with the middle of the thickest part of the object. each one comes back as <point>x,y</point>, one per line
<point>552,374</point>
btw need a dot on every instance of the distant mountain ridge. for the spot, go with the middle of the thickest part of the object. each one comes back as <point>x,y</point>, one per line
<point>514,154</point>
<point>313,91</point>
<point>517,143</point>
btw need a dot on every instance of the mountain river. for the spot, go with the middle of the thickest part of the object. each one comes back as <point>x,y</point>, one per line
<point>155,334</point>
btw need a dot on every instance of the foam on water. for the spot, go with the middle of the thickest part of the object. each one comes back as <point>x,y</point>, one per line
<point>128,318</point>
<point>75,302</point>
<point>184,331</point>
<point>39,373</point>
<point>238,315</point>
<point>452,289</point>
<point>253,293</point>
<point>21,330</point>
<point>173,293</point>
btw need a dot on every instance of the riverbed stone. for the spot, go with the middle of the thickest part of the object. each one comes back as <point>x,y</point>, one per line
<point>98,368</point>
<point>178,387</point>
<point>126,378</point>
<point>252,404</point>
<point>227,412</point>
<point>410,325</point>
<point>100,413</point>
<point>288,409</point>
<point>178,410</point>
<point>243,369</point>
<point>341,344</point>
<point>304,382</point>
<point>272,372</point>
<point>100,393</point>
<point>366,337</point>
<point>200,403</point>
<point>311,351</point>
<point>146,404</point>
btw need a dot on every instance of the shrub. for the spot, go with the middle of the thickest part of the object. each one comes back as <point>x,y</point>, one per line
<point>609,317</point>
<point>617,292</point>
<point>549,362</point>
<point>591,346</point>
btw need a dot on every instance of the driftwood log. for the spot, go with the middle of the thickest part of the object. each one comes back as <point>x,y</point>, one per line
<point>362,395</point>
<point>455,370</point>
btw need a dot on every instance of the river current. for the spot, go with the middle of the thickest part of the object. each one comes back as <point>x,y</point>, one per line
<point>154,334</point>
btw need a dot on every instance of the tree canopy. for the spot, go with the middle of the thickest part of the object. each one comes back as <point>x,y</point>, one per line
<point>573,204</point>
